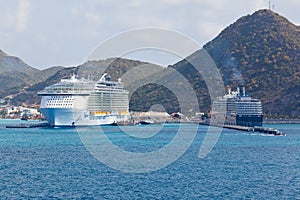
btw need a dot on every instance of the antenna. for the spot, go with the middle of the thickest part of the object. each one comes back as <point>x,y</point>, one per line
<point>270,3</point>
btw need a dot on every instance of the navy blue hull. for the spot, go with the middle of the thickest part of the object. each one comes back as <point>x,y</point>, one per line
<point>249,120</point>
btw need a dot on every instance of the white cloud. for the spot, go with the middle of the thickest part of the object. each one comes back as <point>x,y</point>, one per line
<point>22,15</point>
<point>210,29</point>
<point>86,13</point>
<point>28,26</point>
<point>93,18</point>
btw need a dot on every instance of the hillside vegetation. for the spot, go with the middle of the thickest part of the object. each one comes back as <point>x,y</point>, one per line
<point>260,51</point>
<point>264,48</point>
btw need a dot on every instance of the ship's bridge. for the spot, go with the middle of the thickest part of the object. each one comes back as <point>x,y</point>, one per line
<point>69,86</point>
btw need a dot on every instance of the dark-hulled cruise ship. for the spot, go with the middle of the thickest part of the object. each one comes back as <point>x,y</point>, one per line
<point>241,109</point>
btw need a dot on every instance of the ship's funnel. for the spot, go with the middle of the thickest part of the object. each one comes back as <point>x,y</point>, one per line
<point>228,89</point>
<point>102,79</point>
<point>241,91</point>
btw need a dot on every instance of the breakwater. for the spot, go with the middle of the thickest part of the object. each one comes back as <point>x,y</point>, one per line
<point>264,130</point>
<point>259,129</point>
<point>27,125</point>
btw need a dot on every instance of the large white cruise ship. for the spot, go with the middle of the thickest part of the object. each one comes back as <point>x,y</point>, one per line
<point>83,102</point>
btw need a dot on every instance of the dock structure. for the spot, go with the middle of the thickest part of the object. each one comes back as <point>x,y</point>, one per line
<point>240,128</point>
<point>28,125</point>
<point>259,129</point>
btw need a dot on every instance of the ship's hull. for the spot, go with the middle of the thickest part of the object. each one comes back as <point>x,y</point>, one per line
<point>71,117</point>
<point>249,120</point>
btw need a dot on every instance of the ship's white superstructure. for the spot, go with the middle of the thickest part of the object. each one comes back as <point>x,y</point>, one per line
<point>240,109</point>
<point>83,102</point>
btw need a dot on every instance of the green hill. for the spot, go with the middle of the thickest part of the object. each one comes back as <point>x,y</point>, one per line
<point>15,73</point>
<point>114,67</point>
<point>260,51</point>
<point>265,49</point>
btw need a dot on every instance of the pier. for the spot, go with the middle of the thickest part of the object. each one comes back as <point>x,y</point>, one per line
<point>28,125</point>
<point>259,129</point>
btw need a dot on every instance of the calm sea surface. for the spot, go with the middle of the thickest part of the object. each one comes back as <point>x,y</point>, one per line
<point>52,163</point>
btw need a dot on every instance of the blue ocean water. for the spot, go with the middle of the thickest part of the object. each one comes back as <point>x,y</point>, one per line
<point>52,163</point>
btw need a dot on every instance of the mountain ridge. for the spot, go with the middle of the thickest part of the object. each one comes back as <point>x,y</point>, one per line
<point>266,52</point>
<point>259,51</point>
<point>115,67</point>
<point>14,72</point>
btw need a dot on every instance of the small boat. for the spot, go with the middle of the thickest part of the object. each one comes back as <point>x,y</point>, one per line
<point>114,124</point>
<point>146,122</point>
<point>24,117</point>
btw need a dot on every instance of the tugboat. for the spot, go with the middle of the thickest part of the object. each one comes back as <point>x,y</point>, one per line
<point>146,122</point>
<point>24,117</point>
<point>270,131</point>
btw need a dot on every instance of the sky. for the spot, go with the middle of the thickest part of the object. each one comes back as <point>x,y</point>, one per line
<point>50,33</point>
